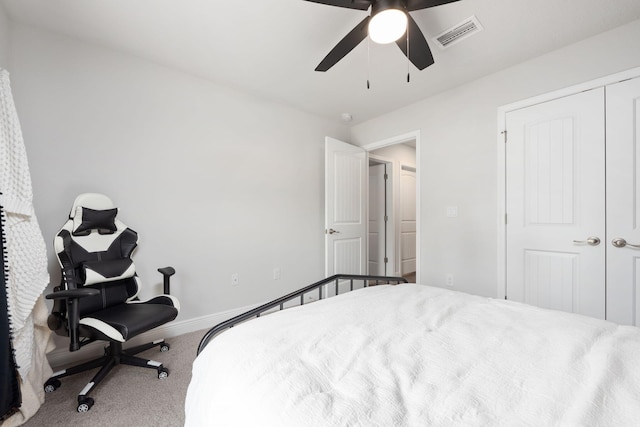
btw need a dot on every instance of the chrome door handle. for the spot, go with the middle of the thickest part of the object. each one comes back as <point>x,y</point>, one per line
<point>619,242</point>
<point>591,240</point>
<point>332,231</point>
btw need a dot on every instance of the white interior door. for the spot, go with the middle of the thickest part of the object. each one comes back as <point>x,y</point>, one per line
<point>345,208</point>
<point>555,204</point>
<point>623,202</point>
<point>407,220</point>
<point>377,236</point>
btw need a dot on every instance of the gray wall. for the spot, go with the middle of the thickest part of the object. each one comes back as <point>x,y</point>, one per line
<point>4,38</point>
<point>214,181</point>
<point>458,151</point>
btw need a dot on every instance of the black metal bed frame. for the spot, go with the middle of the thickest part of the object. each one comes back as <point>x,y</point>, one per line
<point>300,293</point>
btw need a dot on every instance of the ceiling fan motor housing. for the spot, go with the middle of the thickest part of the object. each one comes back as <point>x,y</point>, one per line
<point>380,5</point>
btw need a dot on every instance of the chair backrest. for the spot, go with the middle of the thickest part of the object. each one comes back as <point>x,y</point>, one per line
<point>94,250</point>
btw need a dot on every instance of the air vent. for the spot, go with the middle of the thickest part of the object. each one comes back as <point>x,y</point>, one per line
<point>458,32</point>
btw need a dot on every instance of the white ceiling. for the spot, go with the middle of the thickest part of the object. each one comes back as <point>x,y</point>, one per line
<point>270,47</point>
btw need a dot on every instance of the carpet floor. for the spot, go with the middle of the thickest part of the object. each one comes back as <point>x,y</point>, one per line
<point>128,396</point>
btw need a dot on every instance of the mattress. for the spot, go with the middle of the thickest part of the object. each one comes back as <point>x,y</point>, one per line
<point>414,355</point>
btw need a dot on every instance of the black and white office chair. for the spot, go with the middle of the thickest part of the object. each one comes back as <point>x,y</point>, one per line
<point>97,297</point>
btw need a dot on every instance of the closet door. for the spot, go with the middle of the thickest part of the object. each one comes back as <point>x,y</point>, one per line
<point>623,202</point>
<point>555,204</point>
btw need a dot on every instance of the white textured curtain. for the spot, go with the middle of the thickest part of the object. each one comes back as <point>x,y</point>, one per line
<point>27,260</point>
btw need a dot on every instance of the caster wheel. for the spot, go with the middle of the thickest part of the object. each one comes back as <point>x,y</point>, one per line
<point>52,385</point>
<point>164,347</point>
<point>163,373</point>
<point>85,404</point>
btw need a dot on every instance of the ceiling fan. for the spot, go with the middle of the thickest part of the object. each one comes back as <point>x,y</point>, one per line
<point>383,14</point>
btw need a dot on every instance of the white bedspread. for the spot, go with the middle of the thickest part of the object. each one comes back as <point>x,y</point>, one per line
<point>412,355</point>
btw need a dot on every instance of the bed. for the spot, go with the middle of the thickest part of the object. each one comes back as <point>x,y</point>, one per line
<point>414,355</point>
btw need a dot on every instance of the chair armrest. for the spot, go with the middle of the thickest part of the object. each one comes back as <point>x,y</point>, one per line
<point>73,293</point>
<point>73,317</point>
<point>167,272</point>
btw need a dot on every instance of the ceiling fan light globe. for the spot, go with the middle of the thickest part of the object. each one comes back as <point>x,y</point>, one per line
<point>387,26</point>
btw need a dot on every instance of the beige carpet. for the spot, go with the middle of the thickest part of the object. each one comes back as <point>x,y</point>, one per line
<point>129,396</point>
<point>411,277</point>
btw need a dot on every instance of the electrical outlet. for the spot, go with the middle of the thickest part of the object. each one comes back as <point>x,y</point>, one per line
<point>235,279</point>
<point>449,280</point>
<point>276,273</point>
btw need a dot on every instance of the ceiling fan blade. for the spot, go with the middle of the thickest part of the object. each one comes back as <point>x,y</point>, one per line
<point>419,52</point>
<point>349,4</point>
<point>345,45</point>
<point>424,4</point>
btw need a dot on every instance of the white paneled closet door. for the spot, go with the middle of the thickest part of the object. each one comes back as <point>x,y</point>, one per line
<point>623,202</point>
<point>555,204</point>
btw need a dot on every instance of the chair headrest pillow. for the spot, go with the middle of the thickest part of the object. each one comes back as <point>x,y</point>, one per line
<point>85,220</point>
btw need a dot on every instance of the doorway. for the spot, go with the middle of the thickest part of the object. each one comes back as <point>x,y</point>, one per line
<point>393,217</point>
<point>346,206</point>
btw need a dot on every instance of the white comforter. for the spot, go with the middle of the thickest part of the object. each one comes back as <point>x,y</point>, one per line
<point>412,355</point>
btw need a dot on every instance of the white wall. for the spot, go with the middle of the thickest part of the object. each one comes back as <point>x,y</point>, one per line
<point>215,182</point>
<point>4,38</point>
<point>458,152</point>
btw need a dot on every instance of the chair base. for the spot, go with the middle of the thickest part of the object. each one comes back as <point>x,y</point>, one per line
<point>114,355</point>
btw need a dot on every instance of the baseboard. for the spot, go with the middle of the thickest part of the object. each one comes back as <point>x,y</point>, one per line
<point>61,357</point>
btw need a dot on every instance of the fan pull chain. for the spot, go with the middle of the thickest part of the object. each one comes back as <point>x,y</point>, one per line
<point>408,61</point>
<point>368,60</point>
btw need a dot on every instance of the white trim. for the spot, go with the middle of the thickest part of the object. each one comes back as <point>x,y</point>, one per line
<point>581,87</point>
<point>399,139</point>
<point>61,357</point>
<point>409,168</point>
<point>501,288</point>
<point>502,210</point>
<point>405,137</point>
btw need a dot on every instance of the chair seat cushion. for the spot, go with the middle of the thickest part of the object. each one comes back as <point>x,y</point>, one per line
<point>125,321</point>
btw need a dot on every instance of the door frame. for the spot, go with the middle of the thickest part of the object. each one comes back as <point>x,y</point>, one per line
<point>501,289</point>
<point>390,238</point>
<point>398,220</point>
<point>401,139</point>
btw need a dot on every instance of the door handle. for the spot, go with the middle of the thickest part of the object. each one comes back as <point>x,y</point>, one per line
<point>332,231</point>
<point>619,242</point>
<point>591,240</point>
